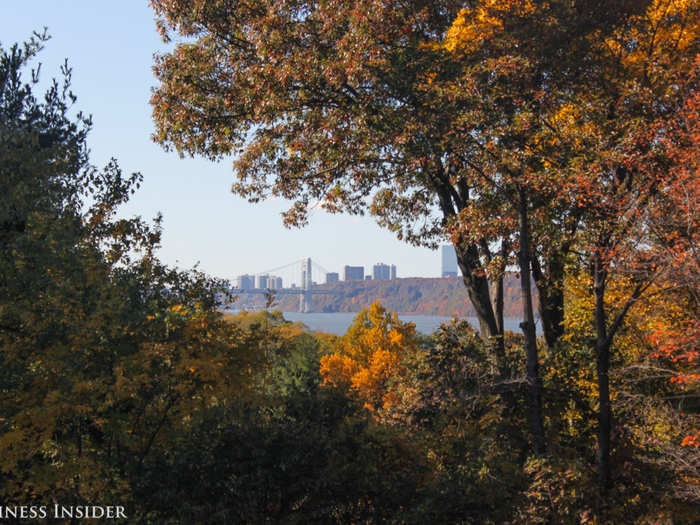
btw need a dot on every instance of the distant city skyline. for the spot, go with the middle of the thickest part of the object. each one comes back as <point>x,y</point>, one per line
<point>110,46</point>
<point>295,274</point>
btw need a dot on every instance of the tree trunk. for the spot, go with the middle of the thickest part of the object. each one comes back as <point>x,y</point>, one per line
<point>468,260</point>
<point>477,285</point>
<point>603,344</point>
<point>499,305</point>
<point>534,399</point>
<point>500,289</point>
<point>551,297</point>
<point>500,348</point>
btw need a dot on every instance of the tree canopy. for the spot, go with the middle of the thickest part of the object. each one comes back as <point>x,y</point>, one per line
<point>548,135</point>
<point>104,351</point>
<point>559,138</point>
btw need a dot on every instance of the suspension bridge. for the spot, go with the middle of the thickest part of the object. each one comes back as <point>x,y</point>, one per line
<point>302,276</point>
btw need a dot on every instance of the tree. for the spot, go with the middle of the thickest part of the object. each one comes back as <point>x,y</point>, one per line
<point>366,359</point>
<point>324,102</point>
<point>43,150</point>
<point>646,71</point>
<point>528,129</point>
<point>571,137</point>
<point>507,77</point>
<point>105,352</point>
<point>676,232</point>
<point>344,102</point>
<point>292,354</point>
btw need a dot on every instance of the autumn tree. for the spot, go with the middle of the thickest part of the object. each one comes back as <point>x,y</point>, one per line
<point>369,356</point>
<point>674,324</point>
<point>570,134</point>
<point>531,133</point>
<point>646,70</point>
<point>325,103</point>
<point>105,352</point>
<point>422,113</point>
<point>505,77</point>
<point>676,234</point>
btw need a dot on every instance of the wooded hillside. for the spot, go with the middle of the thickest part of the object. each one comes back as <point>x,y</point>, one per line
<point>439,296</point>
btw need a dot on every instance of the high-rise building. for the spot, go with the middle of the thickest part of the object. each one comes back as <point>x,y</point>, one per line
<point>274,283</point>
<point>332,277</point>
<point>393,272</point>
<point>381,272</point>
<point>261,281</point>
<point>449,261</point>
<point>245,282</point>
<point>353,273</point>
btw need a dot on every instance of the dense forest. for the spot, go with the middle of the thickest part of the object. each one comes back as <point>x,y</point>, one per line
<point>560,137</point>
<point>440,296</point>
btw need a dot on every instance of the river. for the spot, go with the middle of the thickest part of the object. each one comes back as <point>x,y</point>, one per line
<point>338,323</point>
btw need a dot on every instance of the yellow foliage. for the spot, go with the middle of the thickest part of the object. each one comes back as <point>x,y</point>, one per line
<point>664,32</point>
<point>337,370</point>
<point>642,321</point>
<point>474,26</point>
<point>570,121</point>
<point>369,355</point>
<point>635,343</point>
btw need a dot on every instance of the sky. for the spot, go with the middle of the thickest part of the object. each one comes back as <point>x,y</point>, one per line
<point>110,47</point>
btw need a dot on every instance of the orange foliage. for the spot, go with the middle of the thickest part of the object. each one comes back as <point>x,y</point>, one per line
<point>474,26</point>
<point>369,355</point>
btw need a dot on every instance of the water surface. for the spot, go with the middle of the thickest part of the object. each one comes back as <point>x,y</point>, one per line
<point>338,323</point>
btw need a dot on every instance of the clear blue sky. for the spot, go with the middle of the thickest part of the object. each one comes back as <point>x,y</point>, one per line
<point>110,47</point>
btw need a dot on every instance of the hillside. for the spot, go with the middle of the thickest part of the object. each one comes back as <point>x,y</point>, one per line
<point>436,296</point>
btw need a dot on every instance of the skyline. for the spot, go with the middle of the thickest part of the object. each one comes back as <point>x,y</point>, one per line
<point>109,48</point>
<point>293,274</point>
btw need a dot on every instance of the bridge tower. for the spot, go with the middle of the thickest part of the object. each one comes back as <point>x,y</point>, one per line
<point>306,285</point>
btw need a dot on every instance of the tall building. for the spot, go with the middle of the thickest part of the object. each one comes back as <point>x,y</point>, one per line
<point>449,261</point>
<point>332,277</point>
<point>245,282</point>
<point>274,283</point>
<point>353,273</point>
<point>381,272</point>
<point>393,272</point>
<point>261,281</point>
